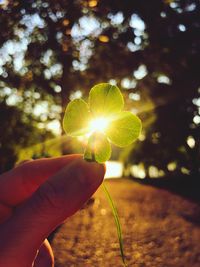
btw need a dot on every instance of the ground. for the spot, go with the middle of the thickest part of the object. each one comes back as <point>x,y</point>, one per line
<point>160,229</point>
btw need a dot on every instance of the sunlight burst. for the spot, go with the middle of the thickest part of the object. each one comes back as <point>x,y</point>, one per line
<point>98,125</point>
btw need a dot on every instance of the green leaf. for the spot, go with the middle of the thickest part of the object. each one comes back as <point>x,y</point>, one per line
<point>124,129</point>
<point>98,148</point>
<point>105,99</point>
<point>76,118</point>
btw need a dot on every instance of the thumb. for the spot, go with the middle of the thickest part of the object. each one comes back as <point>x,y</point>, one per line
<point>58,198</point>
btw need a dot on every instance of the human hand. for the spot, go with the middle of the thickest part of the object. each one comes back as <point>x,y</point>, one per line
<point>35,198</point>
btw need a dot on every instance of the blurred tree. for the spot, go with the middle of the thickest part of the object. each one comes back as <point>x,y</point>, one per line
<point>17,130</point>
<point>150,48</point>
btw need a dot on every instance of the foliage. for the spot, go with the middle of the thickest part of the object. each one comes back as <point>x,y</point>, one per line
<point>16,131</point>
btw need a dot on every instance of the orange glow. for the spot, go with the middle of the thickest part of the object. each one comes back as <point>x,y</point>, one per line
<point>65,22</point>
<point>103,38</point>
<point>92,3</point>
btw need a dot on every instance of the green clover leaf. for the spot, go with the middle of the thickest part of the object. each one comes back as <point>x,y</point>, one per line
<point>124,129</point>
<point>105,99</point>
<point>76,118</point>
<point>98,148</point>
<point>102,121</point>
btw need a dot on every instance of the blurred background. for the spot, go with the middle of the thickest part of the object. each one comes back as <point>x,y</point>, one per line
<point>52,52</point>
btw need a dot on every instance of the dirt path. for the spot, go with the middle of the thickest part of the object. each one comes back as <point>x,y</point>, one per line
<point>160,230</point>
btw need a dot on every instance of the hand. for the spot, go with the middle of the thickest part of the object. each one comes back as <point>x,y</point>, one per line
<point>35,198</point>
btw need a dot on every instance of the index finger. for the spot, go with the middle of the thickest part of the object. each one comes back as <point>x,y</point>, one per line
<point>21,182</point>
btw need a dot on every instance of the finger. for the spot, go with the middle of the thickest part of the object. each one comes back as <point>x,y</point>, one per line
<point>45,257</point>
<point>22,162</point>
<point>58,198</point>
<point>5,212</point>
<point>20,183</point>
<point>5,209</point>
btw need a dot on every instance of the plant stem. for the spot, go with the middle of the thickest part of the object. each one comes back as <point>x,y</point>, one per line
<point>117,222</point>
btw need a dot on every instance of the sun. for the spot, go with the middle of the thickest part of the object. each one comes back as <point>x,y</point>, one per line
<point>98,125</point>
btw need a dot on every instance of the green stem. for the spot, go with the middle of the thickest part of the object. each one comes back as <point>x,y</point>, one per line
<point>117,222</point>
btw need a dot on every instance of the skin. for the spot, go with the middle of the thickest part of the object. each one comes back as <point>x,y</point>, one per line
<point>35,198</point>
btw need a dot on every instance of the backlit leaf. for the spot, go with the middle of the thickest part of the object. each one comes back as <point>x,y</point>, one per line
<point>98,148</point>
<point>124,129</point>
<point>76,118</point>
<point>105,99</point>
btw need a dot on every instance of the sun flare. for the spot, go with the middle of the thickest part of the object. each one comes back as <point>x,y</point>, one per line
<point>98,125</point>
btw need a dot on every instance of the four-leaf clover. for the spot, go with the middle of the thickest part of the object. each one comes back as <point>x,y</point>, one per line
<point>101,120</point>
